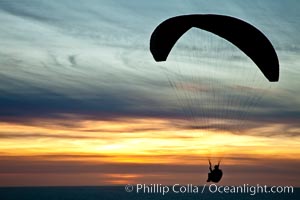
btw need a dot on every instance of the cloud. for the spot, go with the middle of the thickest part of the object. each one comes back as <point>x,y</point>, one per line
<point>49,165</point>
<point>36,171</point>
<point>41,135</point>
<point>92,60</point>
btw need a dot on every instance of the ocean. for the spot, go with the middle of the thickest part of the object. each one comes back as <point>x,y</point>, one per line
<point>119,193</point>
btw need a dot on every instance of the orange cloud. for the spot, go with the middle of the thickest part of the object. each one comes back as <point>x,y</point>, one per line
<point>124,151</point>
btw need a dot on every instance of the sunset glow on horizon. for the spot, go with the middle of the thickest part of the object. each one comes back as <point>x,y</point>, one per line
<point>133,142</point>
<point>135,137</point>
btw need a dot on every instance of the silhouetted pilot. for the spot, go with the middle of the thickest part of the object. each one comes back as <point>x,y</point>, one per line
<point>214,175</point>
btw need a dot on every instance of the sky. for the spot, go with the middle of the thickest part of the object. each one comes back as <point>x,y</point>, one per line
<point>83,102</point>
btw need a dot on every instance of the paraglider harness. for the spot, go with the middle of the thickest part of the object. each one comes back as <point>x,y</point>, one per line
<point>215,174</point>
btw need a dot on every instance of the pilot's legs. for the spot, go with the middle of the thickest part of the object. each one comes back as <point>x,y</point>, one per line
<point>209,176</point>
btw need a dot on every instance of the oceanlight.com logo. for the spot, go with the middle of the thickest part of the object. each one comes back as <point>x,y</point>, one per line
<point>212,188</point>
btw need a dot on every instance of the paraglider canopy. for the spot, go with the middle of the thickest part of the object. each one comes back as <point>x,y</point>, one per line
<point>243,35</point>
